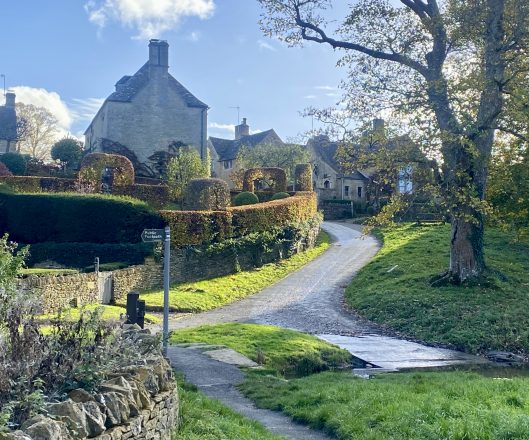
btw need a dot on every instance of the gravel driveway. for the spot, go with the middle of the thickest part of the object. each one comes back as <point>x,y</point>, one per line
<point>309,300</point>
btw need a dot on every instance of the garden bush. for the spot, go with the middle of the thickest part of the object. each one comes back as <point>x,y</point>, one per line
<point>207,195</point>
<point>276,178</point>
<point>4,171</point>
<point>245,198</point>
<point>16,163</point>
<point>156,196</point>
<point>280,195</point>
<point>36,218</point>
<point>82,255</point>
<point>40,184</point>
<point>93,167</point>
<point>303,177</point>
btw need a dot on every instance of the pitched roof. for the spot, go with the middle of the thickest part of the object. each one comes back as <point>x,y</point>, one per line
<point>129,86</point>
<point>8,123</point>
<point>227,149</point>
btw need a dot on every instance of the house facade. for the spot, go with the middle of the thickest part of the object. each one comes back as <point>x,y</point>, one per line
<point>224,152</point>
<point>8,125</point>
<point>148,113</point>
<point>330,183</point>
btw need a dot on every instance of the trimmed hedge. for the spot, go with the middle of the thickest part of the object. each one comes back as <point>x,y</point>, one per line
<point>93,167</point>
<point>303,177</point>
<point>278,213</point>
<point>4,171</point>
<point>156,196</point>
<point>206,195</point>
<point>277,175</point>
<point>40,184</point>
<point>189,228</point>
<point>245,198</point>
<point>15,162</point>
<point>35,218</point>
<point>81,255</point>
<point>280,195</point>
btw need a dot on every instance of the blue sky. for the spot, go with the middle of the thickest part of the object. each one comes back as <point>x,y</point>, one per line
<point>68,54</point>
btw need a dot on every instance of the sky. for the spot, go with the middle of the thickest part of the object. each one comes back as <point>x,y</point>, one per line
<point>67,55</point>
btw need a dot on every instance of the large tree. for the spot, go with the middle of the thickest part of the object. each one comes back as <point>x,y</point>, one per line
<point>446,66</point>
<point>38,132</point>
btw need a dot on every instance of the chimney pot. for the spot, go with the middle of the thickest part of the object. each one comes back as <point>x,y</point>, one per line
<point>159,53</point>
<point>10,99</point>
<point>242,129</point>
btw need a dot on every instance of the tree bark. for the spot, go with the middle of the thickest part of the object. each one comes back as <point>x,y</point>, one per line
<point>467,259</point>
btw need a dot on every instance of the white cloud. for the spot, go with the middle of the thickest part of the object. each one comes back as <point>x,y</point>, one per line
<point>328,88</point>
<point>149,18</point>
<point>263,45</point>
<point>224,127</point>
<point>85,109</point>
<point>257,130</point>
<point>194,36</point>
<point>310,97</point>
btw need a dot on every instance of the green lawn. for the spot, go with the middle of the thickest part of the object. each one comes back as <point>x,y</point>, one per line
<point>109,313</point>
<point>455,405</point>
<point>206,419</point>
<point>206,295</point>
<point>39,271</point>
<point>394,290</point>
<point>287,352</point>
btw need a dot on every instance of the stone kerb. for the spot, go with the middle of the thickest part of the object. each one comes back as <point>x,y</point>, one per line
<point>139,402</point>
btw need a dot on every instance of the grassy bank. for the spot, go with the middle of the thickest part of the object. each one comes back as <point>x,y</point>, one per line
<point>108,313</point>
<point>286,352</point>
<point>394,290</point>
<point>206,419</point>
<point>209,294</point>
<point>401,406</point>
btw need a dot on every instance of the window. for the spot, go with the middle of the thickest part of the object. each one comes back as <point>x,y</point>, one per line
<point>405,180</point>
<point>346,191</point>
<point>228,164</point>
<point>359,192</point>
<point>326,184</point>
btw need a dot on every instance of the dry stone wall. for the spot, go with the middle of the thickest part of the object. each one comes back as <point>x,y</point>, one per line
<point>139,402</point>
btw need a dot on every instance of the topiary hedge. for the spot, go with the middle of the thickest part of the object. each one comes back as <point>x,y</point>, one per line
<point>156,196</point>
<point>16,163</point>
<point>34,218</point>
<point>93,167</point>
<point>4,171</point>
<point>40,184</point>
<point>303,177</point>
<point>278,176</point>
<point>245,198</point>
<point>207,195</point>
<point>280,195</point>
<point>82,255</point>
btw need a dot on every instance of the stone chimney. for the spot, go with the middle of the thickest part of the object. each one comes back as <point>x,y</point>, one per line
<point>242,129</point>
<point>158,56</point>
<point>378,125</point>
<point>10,99</point>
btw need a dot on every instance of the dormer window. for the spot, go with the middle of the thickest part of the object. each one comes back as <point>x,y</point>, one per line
<point>228,164</point>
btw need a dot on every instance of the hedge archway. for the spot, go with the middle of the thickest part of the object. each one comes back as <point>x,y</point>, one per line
<point>94,166</point>
<point>278,176</point>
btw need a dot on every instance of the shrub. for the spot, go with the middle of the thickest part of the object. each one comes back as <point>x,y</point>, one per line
<point>4,171</point>
<point>156,196</point>
<point>276,178</point>
<point>190,228</point>
<point>275,214</point>
<point>40,184</point>
<point>207,195</point>
<point>34,218</point>
<point>182,168</point>
<point>93,167</point>
<point>69,151</point>
<point>82,255</point>
<point>15,163</point>
<point>245,198</point>
<point>280,195</point>
<point>303,177</point>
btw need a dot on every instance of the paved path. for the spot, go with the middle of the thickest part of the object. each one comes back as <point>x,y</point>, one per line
<point>309,300</point>
<point>219,380</point>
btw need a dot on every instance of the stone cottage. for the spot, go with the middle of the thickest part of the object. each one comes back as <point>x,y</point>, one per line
<point>149,113</point>
<point>224,151</point>
<point>8,125</point>
<point>329,181</point>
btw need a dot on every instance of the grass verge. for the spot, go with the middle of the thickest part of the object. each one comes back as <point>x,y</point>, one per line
<point>207,419</point>
<point>411,406</point>
<point>287,352</point>
<point>109,313</point>
<point>394,290</point>
<point>209,294</point>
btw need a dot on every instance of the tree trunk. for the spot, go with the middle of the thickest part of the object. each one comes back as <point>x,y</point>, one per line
<point>467,259</point>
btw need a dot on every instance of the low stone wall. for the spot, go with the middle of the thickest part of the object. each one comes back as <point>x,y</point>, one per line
<point>60,291</point>
<point>140,402</point>
<point>187,264</point>
<point>336,211</point>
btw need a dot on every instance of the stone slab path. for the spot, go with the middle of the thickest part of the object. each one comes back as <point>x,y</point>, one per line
<point>218,380</point>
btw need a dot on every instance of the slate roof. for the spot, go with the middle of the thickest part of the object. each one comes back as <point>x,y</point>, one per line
<point>8,123</point>
<point>129,86</point>
<point>227,149</point>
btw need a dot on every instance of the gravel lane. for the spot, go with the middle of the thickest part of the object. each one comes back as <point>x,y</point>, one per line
<point>310,299</point>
